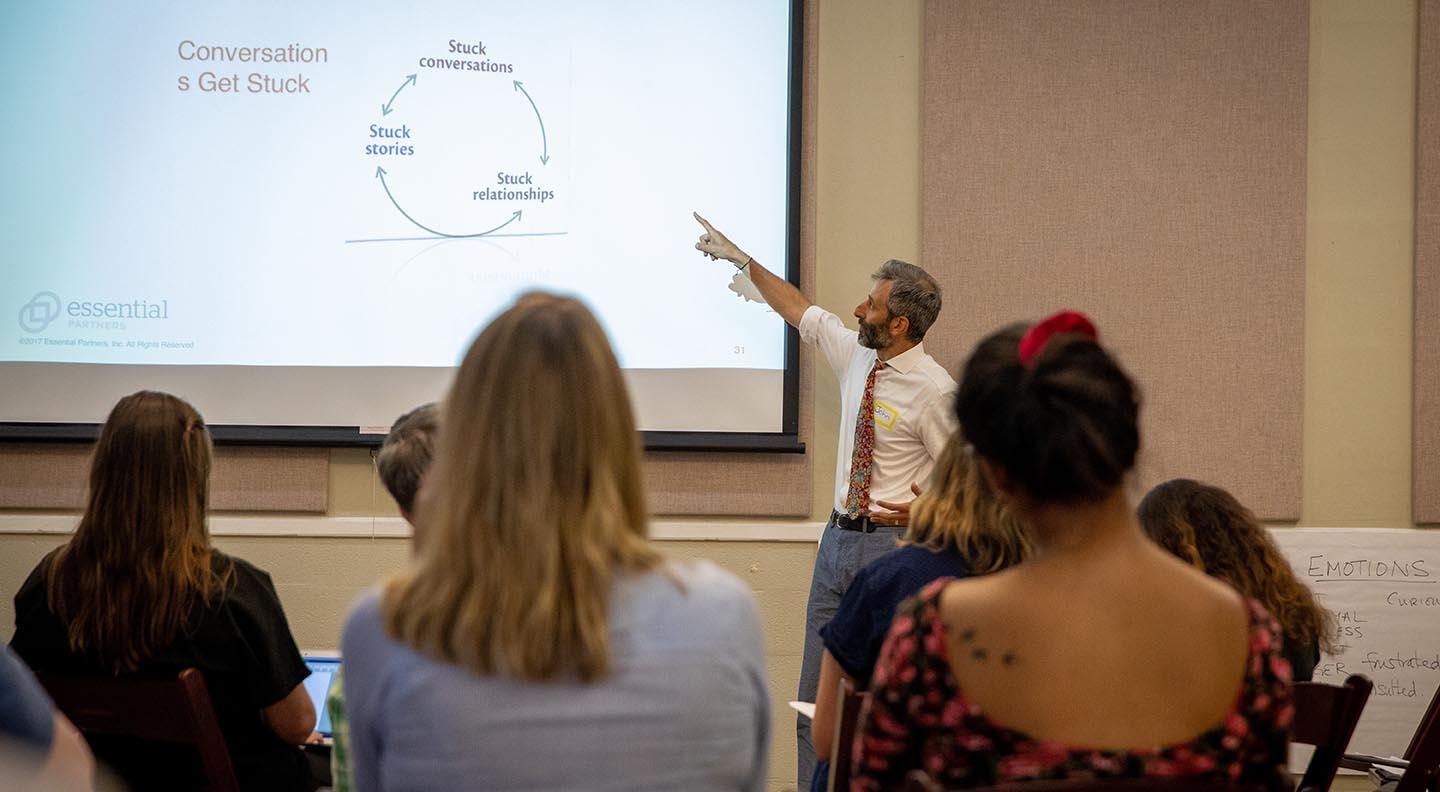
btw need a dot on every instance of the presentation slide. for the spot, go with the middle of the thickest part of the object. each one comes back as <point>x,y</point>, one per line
<point>302,213</point>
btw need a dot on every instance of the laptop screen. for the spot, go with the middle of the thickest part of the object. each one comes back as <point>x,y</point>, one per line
<point>322,675</point>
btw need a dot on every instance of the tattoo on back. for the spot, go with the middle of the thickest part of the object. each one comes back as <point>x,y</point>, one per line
<point>981,654</point>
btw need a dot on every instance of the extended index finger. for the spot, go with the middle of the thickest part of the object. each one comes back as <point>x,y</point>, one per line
<point>893,506</point>
<point>704,222</point>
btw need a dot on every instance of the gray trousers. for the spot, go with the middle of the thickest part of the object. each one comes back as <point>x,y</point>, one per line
<point>842,554</point>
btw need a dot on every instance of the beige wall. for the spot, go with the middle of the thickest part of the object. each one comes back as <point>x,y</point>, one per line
<point>868,207</point>
<point>1359,263</point>
<point>1358,308</point>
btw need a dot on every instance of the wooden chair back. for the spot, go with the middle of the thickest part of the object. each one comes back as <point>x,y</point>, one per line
<point>842,746</point>
<point>1424,753</point>
<point>171,711</point>
<point>1325,717</point>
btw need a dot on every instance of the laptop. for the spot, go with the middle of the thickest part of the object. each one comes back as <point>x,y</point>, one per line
<point>323,668</point>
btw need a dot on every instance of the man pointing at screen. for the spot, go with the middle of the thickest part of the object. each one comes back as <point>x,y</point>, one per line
<point>895,418</point>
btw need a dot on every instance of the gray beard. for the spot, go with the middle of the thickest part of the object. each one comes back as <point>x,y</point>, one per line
<point>874,337</point>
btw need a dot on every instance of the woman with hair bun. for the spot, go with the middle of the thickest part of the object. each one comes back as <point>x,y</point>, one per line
<point>1101,656</point>
<point>1212,531</point>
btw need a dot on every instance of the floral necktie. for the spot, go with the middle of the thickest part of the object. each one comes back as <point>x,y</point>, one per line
<point>857,499</point>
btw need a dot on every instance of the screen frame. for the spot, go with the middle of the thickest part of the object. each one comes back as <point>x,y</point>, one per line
<point>787,440</point>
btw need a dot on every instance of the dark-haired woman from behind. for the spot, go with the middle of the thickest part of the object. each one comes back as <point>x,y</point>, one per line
<point>139,591</point>
<point>1208,528</point>
<point>1101,655</point>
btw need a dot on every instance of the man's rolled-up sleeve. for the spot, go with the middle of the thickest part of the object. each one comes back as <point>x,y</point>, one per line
<point>837,342</point>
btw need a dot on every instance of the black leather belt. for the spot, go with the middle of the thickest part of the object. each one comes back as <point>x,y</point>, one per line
<point>847,523</point>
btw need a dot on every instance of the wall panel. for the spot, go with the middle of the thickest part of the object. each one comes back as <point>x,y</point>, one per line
<point>1427,267</point>
<point>1142,161</point>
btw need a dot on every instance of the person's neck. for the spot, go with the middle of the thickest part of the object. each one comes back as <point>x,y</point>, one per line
<point>1084,529</point>
<point>897,347</point>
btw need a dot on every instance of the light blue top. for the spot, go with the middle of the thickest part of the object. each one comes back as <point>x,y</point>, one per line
<point>686,704</point>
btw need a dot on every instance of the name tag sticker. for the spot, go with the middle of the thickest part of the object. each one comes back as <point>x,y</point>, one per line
<point>885,415</point>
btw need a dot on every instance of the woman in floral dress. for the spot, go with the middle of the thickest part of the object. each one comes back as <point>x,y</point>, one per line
<point>1102,656</point>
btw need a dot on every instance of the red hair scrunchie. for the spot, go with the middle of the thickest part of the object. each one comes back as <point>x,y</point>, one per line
<point>1040,334</point>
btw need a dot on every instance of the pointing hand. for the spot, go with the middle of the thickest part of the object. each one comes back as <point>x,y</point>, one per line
<point>715,244</point>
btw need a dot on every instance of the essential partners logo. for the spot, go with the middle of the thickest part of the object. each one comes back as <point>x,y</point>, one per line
<point>37,314</point>
<point>45,307</point>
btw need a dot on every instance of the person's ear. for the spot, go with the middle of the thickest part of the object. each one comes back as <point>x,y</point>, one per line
<point>424,496</point>
<point>900,326</point>
<point>999,480</point>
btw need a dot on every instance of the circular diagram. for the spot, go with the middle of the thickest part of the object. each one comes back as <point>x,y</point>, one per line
<point>468,133</point>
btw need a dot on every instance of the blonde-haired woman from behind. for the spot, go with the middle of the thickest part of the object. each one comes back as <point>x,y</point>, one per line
<point>538,640</point>
<point>958,528</point>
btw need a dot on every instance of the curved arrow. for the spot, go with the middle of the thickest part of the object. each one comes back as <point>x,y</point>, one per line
<point>544,142</point>
<point>385,108</point>
<point>380,174</point>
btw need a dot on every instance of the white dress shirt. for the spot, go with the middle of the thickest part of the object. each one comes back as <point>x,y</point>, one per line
<point>914,409</point>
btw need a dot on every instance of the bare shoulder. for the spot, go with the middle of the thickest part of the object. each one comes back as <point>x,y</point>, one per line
<point>985,605</point>
<point>978,593</point>
<point>1149,605</point>
<point>1205,599</point>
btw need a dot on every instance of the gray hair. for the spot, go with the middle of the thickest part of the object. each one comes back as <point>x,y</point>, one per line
<point>913,294</point>
<point>405,455</point>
